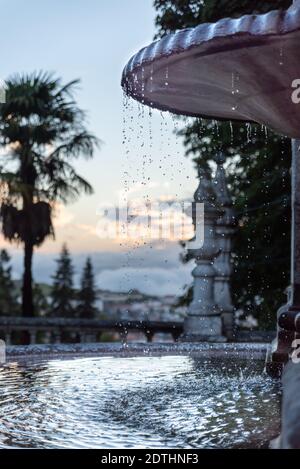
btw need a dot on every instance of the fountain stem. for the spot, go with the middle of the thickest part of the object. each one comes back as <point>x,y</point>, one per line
<point>295,251</point>
<point>287,314</point>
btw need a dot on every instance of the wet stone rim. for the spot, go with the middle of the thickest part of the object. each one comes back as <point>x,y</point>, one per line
<point>252,351</point>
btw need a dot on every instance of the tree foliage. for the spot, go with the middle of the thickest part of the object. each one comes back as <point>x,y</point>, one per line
<point>87,293</point>
<point>8,297</point>
<point>258,163</point>
<point>62,295</point>
<point>40,300</point>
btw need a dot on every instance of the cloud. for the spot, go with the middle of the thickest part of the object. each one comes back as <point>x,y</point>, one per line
<point>155,281</point>
<point>146,220</point>
<point>62,216</point>
<point>154,269</point>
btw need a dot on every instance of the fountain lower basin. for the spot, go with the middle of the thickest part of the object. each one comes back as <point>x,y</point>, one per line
<point>138,396</point>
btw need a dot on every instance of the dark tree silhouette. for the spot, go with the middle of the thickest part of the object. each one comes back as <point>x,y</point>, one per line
<point>87,293</point>
<point>8,301</point>
<point>41,131</point>
<point>63,295</point>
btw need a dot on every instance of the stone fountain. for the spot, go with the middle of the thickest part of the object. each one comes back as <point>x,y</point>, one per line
<point>245,69</point>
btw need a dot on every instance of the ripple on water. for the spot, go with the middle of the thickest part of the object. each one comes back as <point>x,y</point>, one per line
<point>142,402</point>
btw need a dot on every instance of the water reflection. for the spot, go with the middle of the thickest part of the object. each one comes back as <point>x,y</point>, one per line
<point>143,402</point>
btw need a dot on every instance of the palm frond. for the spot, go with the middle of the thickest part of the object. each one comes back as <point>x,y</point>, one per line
<point>82,144</point>
<point>41,113</point>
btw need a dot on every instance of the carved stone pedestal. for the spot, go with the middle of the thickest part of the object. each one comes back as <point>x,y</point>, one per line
<point>204,322</point>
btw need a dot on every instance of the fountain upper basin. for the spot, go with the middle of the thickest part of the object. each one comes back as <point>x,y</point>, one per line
<point>236,69</point>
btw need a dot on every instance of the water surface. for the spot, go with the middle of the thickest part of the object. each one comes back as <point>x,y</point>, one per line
<point>142,402</point>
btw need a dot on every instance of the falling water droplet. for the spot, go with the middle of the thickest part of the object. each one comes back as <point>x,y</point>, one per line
<point>235,89</point>
<point>248,129</point>
<point>231,132</point>
<point>281,59</point>
<point>143,85</point>
<point>167,77</point>
<point>151,79</point>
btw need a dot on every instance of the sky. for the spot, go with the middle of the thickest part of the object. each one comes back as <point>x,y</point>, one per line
<point>140,158</point>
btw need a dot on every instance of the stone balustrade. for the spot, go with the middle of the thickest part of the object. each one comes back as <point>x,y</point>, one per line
<point>55,330</point>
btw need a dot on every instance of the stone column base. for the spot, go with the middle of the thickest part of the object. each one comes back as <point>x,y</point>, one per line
<point>202,338</point>
<point>202,329</point>
<point>228,324</point>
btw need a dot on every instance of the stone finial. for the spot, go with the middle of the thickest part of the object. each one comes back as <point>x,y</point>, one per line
<point>221,187</point>
<point>205,192</point>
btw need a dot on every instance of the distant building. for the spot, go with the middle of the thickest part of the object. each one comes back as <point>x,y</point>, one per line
<point>136,306</point>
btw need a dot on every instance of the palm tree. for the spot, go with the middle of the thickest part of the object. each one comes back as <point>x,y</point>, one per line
<point>41,131</point>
